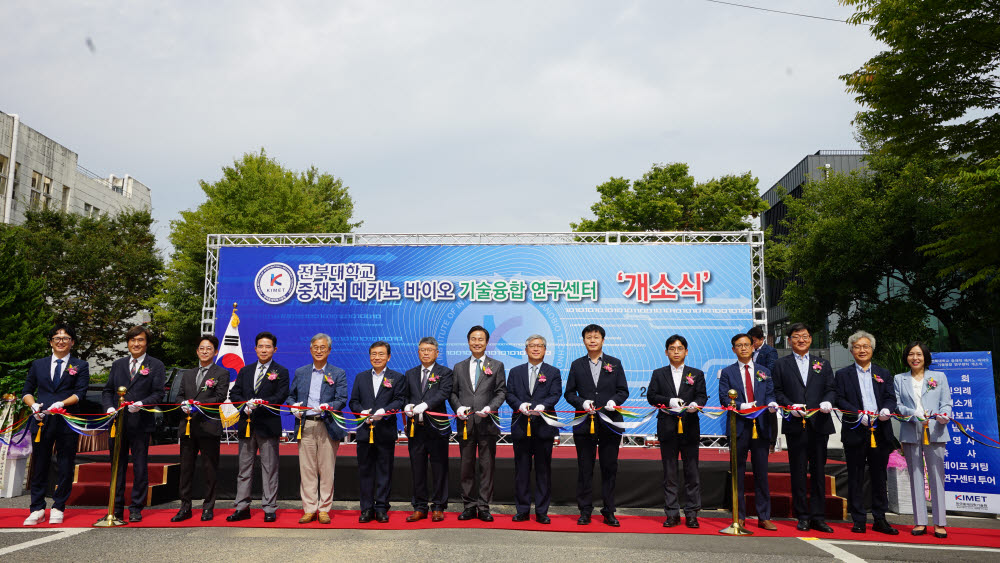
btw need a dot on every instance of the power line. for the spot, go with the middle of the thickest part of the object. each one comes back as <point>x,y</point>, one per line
<point>779,11</point>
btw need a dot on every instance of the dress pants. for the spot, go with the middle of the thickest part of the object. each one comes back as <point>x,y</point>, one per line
<point>485,447</point>
<point>915,456</point>
<point>540,450</point>
<point>191,446</point>
<point>56,434</point>
<point>604,443</point>
<point>135,441</point>
<point>317,463</point>
<point>758,450</point>
<point>424,446</point>
<point>807,454</point>
<point>876,459</point>
<point>268,448</point>
<point>669,449</point>
<point>375,473</point>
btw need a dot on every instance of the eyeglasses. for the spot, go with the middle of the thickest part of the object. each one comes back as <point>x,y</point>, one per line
<point>861,347</point>
<point>319,348</point>
<point>206,349</point>
<point>742,346</point>
<point>676,349</point>
<point>378,355</point>
<point>62,339</point>
<point>535,346</point>
<point>427,350</point>
<point>800,338</point>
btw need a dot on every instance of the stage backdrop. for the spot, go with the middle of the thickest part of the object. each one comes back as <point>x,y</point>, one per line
<point>640,294</point>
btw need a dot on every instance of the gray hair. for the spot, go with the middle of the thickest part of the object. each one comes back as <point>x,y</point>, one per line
<point>321,336</point>
<point>428,340</point>
<point>536,337</point>
<point>858,336</point>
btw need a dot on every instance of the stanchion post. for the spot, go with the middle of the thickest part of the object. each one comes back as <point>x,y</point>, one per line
<point>734,529</point>
<point>109,520</point>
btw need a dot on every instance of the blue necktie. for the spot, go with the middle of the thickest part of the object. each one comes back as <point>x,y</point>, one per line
<point>58,373</point>
<point>478,369</point>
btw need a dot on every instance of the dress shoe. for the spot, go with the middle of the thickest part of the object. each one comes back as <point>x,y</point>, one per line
<point>767,525</point>
<point>55,516</point>
<point>858,528</point>
<point>520,517</point>
<point>610,520</point>
<point>239,515</point>
<point>742,522</point>
<point>802,526</point>
<point>882,526</point>
<point>942,533</point>
<point>181,515</point>
<point>134,516</point>
<point>484,515</point>
<point>366,516</point>
<point>691,522</point>
<point>671,521</point>
<point>583,520</point>
<point>437,515</point>
<point>324,517</point>
<point>543,519</point>
<point>35,517</point>
<point>820,526</point>
<point>270,516</point>
<point>918,530</point>
<point>467,514</point>
<point>417,515</point>
<point>381,516</point>
<point>207,514</point>
<point>307,518</point>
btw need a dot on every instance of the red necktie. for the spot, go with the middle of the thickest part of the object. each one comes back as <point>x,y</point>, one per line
<point>749,383</point>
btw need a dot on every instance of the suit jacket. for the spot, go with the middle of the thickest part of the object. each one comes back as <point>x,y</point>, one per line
<point>611,386</point>
<point>145,387</point>
<point>333,392</point>
<point>390,398</point>
<point>934,401</point>
<point>849,399</point>
<point>190,391</point>
<point>661,390</point>
<point>546,393</point>
<point>766,356</point>
<point>263,421</point>
<point>40,385</point>
<point>763,393</point>
<point>436,396</point>
<point>491,390</point>
<point>789,390</point>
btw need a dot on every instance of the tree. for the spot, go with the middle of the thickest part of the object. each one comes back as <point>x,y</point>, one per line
<point>25,317</point>
<point>667,199</point>
<point>97,272</point>
<point>255,195</point>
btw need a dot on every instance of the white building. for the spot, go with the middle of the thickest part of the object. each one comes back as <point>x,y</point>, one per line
<point>37,172</point>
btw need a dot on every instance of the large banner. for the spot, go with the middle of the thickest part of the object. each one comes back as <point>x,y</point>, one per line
<point>640,294</point>
<point>971,469</point>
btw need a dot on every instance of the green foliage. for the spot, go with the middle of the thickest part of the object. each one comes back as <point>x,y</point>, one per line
<point>255,195</point>
<point>25,317</point>
<point>667,198</point>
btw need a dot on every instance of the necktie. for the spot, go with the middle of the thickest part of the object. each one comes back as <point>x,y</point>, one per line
<point>201,377</point>
<point>132,371</point>
<point>260,379</point>
<point>532,379</point>
<point>58,372</point>
<point>475,382</point>
<point>423,380</point>
<point>749,383</point>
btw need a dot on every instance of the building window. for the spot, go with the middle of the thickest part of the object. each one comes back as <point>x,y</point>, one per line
<point>86,210</point>
<point>65,199</point>
<point>96,213</point>
<point>46,192</point>
<point>33,200</point>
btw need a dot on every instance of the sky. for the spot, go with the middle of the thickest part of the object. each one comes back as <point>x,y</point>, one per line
<point>441,116</point>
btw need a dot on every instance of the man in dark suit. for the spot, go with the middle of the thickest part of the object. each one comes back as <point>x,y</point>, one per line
<point>596,381</point>
<point>754,386</point>
<point>378,393</point>
<point>207,383</point>
<point>866,395</point>
<point>259,385</point>
<point>54,382</point>
<point>428,387</point>
<point>318,387</point>
<point>765,355</point>
<point>533,388</point>
<point>679,390</point>
<point>144,377</point>
<point>479,389</point>
<point>804,382</point>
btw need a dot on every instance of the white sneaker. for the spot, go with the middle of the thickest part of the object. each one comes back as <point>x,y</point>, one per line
<point>55,516</point>
<point>35,517</point>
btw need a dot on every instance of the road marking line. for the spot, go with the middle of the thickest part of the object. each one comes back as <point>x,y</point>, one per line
<point>920,545</point>
<point>836,552</point>
<point>60,535</point>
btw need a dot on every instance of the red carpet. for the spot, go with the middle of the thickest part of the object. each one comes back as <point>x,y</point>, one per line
<point>348,519</point>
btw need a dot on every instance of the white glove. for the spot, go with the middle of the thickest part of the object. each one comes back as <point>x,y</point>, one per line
<point>111,410</point>
<point>825,407</point>
<point>676,403</point>
<point>747,406</point>
<point>523,409</point>
<point>610,406</point>
<point>884,415</point>
<point>865,420</point>
<point>134,407</point>
<point>484,413</point>
<point>408,410</point>
<point>588,406</point>
<point>463,413</point>
<point>420,409</point>
<point>366,412</point>
<point>693,407</point>
<point>249,406</point>
<point>297,412</point>
<point>36,407</point>
<point>772,406</point>
<point>942,418</point>
<point>796,412</point>
<point>186,407</point>
<point>377,416</point>
<point>539,409</point>
<point>56,405</point>
<point>324,406</point>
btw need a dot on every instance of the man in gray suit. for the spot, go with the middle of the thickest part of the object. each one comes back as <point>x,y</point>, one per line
<point>479,388</point>
<point>319,386</point>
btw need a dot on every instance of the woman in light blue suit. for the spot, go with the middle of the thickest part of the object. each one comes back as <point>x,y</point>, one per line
<point>923,398</point>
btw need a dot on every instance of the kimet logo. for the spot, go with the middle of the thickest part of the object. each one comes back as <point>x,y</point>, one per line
<point>971,498</point>
<point>275,283</point>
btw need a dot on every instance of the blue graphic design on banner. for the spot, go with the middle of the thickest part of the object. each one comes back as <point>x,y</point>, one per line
<point>640,294</point>
<point>971,470</point>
